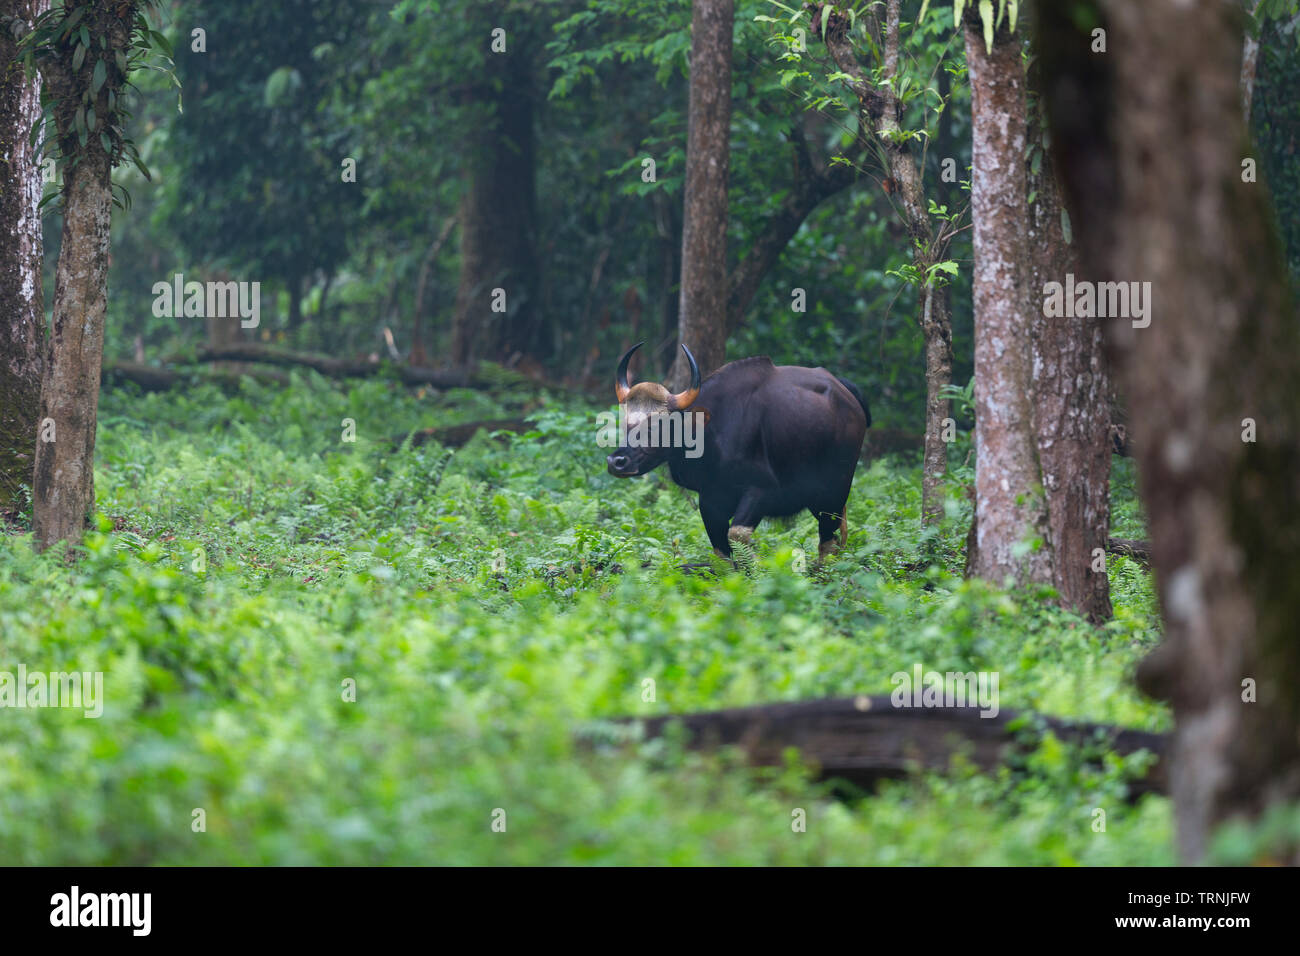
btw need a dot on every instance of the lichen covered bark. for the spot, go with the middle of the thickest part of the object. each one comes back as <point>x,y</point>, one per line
<point>1008,495</point>
<point>22,303</point>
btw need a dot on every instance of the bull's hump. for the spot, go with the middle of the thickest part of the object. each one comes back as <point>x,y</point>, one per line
<point>754,362</point>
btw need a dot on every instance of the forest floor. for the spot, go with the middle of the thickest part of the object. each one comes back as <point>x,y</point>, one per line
<point>251,571</point>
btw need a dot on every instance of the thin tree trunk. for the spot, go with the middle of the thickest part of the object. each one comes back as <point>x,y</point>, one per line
<point>1159,198</point>
<point>881,112</point>
<point>22,300</point>
<point>294,285</point>
<point>418,354</point>
<point>668,282</point>
<point>936,327</point>
<point>64,489</point>
<point>702,325</point>
<point>1008,495</point>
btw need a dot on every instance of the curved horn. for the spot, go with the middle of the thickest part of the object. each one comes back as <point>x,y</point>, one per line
<point>683,400</point>
<point>621,387</point>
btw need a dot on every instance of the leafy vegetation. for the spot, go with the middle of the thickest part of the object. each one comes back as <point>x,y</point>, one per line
<point>495,605</point>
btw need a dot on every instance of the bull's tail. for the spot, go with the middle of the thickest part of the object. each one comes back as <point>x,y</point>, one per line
<point>857,393</point>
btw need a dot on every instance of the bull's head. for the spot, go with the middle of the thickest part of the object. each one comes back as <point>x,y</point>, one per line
<point>649,411</point>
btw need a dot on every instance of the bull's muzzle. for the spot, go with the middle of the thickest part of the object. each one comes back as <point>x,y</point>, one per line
<point>620,466</point>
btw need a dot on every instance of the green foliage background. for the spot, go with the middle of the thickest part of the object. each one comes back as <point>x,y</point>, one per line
<point>377,561</point>
<point>328,561</point>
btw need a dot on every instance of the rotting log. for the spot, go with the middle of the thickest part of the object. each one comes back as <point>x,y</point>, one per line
<point>155,378</point>
<point>863,740</point>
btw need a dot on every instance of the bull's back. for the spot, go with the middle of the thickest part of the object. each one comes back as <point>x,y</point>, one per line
<point>789,426</point>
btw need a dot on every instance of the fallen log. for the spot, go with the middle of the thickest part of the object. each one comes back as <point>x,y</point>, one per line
<point>454,436</point>
<point>155,378</point>
<point>1139,551</point>
<point>341,368</point>
<point>862,740</point>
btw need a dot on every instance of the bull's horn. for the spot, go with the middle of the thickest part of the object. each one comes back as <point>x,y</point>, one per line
<point>621,387</point>
<point>683,400</point>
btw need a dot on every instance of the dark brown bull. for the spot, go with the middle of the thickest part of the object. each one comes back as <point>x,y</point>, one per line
<point>779,439</point>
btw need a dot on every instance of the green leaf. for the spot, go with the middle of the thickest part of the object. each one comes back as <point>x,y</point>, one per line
<point>106,143</point>
<point>98,77</point>
<point>161,42</point>
<point>78,57</point>
<point>986,15</point>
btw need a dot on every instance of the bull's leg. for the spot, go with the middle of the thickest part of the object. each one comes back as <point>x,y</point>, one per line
<point>716,513</point>
<point>748,515</point>
<point>832,531</point>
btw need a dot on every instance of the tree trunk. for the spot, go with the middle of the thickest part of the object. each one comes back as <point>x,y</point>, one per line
<point>880,112</point>
<point>498,220</point>
<point>702,326</point>
<point>668,282</point>
<point>222,330</point>
<point>1070,414</point>
<point>1154,175</point>
<point>64,489</point>
<point>1249,62</point>
<point>22,300</point>
<point>1008,495</point>
<point>936,327</point>
<point>418,354</point>
<point>294,285</point>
